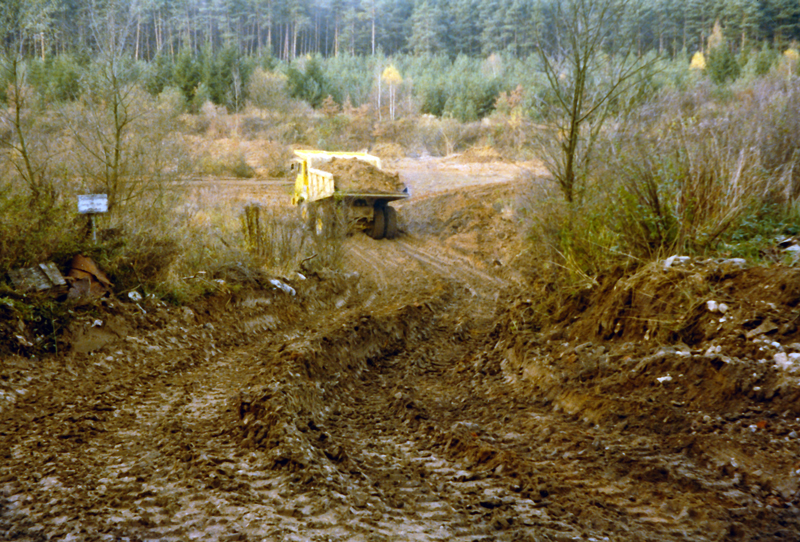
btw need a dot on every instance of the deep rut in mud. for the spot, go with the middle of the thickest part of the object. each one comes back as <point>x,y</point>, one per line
<point>405,398</point>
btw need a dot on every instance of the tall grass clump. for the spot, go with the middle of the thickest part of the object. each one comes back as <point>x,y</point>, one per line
<point>699,171</point>
<point>697,165</point>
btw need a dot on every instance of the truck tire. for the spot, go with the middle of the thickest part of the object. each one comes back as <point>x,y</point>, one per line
<point>378,223</point>
<point>391,222</point>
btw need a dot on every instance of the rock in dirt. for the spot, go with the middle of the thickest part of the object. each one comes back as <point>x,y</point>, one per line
<point>766,327</point>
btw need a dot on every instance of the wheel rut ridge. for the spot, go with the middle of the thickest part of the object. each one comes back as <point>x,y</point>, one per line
<point>302,378</point>
<point>338,412</point>
<point>467,273</point>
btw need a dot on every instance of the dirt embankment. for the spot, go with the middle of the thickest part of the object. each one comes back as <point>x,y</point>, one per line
<point>426,392</point>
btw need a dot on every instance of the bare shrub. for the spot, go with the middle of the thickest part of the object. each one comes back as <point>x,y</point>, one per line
<point>343,132</point>
<point>123,143</point>
<point>274,236</point>
<point>274,159</point>
<point>693,172</point>
<point>774,103</point>
<point>438,137</point>
<point>232,164</point>
<point>36,208</point>
<point>268,90</point>
<point>216,119</point>
<point>30,151</point>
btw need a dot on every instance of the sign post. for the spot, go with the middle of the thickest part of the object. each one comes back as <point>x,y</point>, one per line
<point>92,204</point>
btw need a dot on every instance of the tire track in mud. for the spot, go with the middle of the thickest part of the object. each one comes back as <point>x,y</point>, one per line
<point>338,413</point>
<point>147,456</point>
<point>382,413</point>
<point>379,409</point>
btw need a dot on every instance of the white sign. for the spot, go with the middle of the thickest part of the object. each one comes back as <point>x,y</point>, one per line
<point>93,203</point>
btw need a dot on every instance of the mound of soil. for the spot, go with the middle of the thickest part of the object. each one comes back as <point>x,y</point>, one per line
<point>351,175</point>
<point>388,151</point>
<point>666,343</point>
<point>481,155</point>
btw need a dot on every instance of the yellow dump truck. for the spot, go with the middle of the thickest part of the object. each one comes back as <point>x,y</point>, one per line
<point>346,190</point>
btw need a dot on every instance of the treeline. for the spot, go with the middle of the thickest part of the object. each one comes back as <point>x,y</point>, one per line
<point>287,29</point>
<point>465,88</point>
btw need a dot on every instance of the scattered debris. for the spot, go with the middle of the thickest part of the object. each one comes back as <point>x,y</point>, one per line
<point>38,278</point>
<point>675,260</point>
<point>282,286</point>
<point>86,279</point>
<point>766,327</point>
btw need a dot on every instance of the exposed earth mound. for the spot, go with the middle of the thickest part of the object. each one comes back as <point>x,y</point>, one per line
<point>480,155</point>
<point>350,175</point>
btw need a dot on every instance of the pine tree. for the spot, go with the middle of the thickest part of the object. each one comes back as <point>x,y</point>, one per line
<point>349,31</point>
<point>492,15</point>
<point>186,73</point>
<point>511,28</point>
<point>700,17</point>
<point>741,20</point>
<point>36,18</point>
<point>426,28</point>
<point>721,65</point>
<point>464,29</point>
<point>397,13</point>
<point>785,16</point>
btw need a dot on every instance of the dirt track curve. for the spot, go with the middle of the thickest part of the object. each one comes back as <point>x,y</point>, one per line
<point>398,400</point>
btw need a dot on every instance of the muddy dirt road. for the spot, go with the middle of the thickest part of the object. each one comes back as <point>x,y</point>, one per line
<point>411,397</point>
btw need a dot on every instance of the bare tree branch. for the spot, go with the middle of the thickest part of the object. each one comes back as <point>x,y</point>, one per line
<point>588,67</point>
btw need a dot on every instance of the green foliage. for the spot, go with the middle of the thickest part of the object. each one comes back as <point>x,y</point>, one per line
<point>33,234</point>
<point>471,95</point>
<point>225,76</point>
<point>137,260</point>
<point>758,230</point>
<point>765,59</point>
<point>159,74</point>
<point>57,79</point>
<point>186,74</point>
<point>201,96</point>
<point>308,85</point>
<point>722,66</point>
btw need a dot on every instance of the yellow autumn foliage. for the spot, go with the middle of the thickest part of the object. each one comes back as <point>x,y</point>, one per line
<point>698,62</point>
<point>391,76</point>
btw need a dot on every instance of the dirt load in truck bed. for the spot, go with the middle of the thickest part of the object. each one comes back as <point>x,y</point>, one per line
<point>351,175</point>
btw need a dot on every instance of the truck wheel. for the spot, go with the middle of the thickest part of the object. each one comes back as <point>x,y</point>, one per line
<point>391,222</point>
<point>378,223</point>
